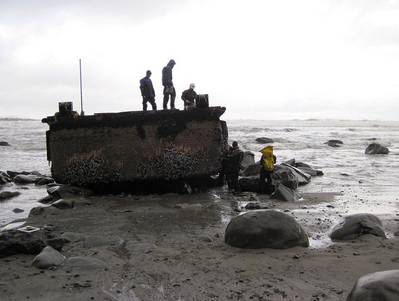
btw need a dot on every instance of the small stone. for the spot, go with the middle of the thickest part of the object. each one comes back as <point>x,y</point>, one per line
<point>49,257</point>
<point>5,195</point>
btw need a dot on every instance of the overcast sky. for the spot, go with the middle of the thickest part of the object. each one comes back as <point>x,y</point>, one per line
<point>261,59</point>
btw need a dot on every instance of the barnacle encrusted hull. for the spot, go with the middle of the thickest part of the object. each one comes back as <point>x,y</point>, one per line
<point>136,146</point>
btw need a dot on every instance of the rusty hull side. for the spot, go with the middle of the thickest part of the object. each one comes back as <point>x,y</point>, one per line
<point>160,149</point>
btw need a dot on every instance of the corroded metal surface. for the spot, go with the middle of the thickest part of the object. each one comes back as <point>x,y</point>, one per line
<point>136,146</point>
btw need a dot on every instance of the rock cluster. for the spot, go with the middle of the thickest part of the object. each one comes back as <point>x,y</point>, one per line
<point>287,177</point>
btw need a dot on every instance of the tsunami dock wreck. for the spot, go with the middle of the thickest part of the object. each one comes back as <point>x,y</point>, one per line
<point>137,151</point>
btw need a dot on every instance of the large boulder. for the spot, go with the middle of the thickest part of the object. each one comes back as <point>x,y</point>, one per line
<point>248,159</point>
<point>334,143</point>
<point>48,258</point>
<point>379,286</point>
<point>284,193</point>
<point>264,140</point>
<point>265,229</point>
<point>15,242</point>
<point>5,195</point>
<point>249,184</point>
<point>26,179</point>
<point>376,149</point>
<point>353,226</point>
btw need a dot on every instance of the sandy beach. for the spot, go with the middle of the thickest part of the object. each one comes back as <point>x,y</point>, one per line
<point>171,247</point>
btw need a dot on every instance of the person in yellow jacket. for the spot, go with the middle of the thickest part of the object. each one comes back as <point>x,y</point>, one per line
<point>267,162</point>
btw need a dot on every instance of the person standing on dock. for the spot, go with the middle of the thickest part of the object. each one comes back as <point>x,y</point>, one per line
<point>147,91</point>
<point>189,97</point>
<point>168,88</point>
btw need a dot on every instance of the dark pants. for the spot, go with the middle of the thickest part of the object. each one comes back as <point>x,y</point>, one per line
<point>265,181</point>
<point>151,100</point>
<point>169,91</point>
<point>232,181</point>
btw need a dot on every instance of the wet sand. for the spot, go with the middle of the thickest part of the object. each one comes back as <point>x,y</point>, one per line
<point>171,247</point>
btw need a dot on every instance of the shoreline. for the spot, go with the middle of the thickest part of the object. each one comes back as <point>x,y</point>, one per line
<point>166,247</point>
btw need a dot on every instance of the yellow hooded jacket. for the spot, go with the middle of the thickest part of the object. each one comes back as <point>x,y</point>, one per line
<point>267,158</point>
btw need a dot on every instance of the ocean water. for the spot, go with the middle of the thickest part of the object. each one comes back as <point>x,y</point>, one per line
<point>363,182</point>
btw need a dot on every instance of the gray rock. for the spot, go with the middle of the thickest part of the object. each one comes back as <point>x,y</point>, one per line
<point>379,286</point>
<point>376,149</point>
<point>265,229</point>
<point>253,206</point>
<point>353,226</point>
<point>15,242</point>
<point>5,195</point>
<point>57,243</point>
<point>284,193</point>
<point>264,140</point>
<point>334,143</point>
<point>48,258</point>
<point>47,200</point>
<point>4,143</point>
<point>84,263</point>
<point>249,184</point>
<point>310,171</point>
<point>4,178</point>
<point>44,181</point>
<point>63,191</point>
<point>302,177</point>
<point>17,210</point>
<point>63,204</point>
<point>286,176</point>
<point>252,170</point>
<point>36,211</point>
<point>25,179</point>
<point>248,159</point>
<point>306,168</point>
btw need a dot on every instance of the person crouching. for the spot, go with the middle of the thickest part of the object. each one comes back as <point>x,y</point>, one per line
<point>189,97</point>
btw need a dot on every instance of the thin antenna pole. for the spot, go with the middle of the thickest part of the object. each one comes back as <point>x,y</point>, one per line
<point>81,93</point>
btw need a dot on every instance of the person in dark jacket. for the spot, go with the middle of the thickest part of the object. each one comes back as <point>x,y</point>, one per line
<point>147,91</point>
<point>168,88</point>
<point>189,97</point>
<point>233,165</point>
